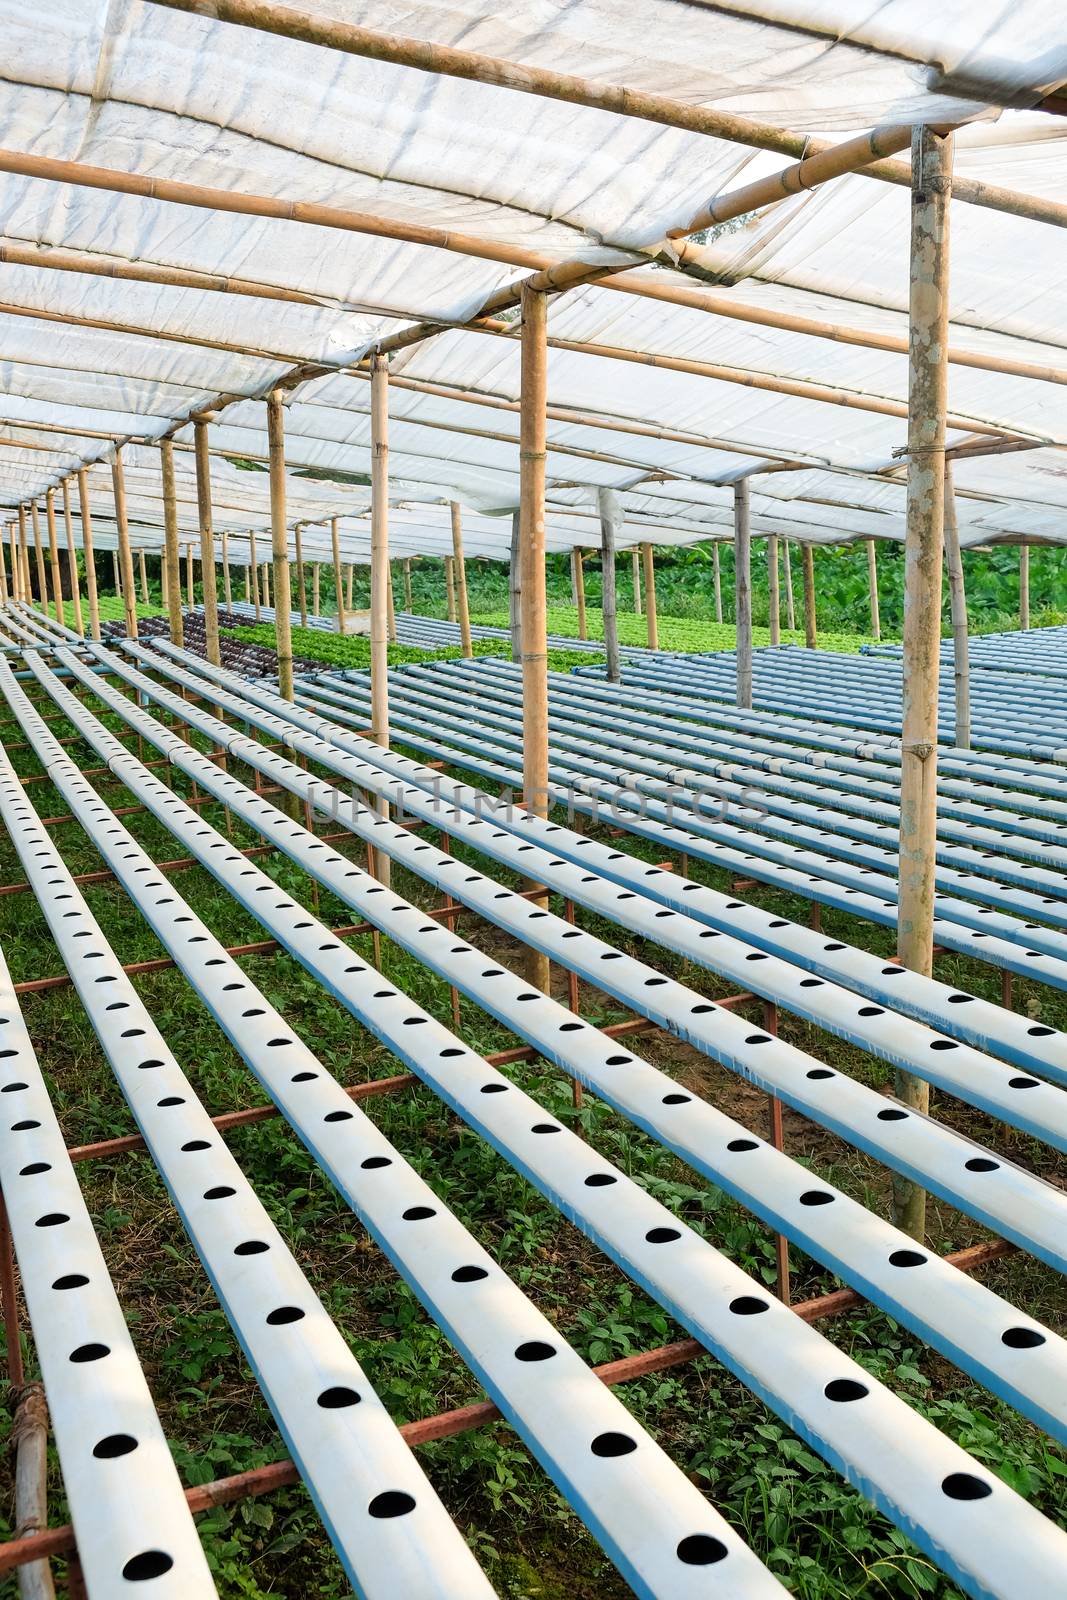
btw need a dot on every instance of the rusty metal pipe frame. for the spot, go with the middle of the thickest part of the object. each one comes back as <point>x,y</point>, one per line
<point>689,1279</point>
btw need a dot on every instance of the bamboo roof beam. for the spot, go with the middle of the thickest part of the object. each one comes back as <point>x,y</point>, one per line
<point>447,61</point>
<point>630,282</point>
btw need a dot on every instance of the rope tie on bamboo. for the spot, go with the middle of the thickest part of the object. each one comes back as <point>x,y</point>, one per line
<point>919,747</point>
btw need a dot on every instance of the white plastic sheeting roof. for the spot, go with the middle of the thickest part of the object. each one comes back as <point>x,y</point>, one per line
<point>140,88</point>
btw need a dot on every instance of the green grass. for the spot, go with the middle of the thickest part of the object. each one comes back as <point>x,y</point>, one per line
<point>675,633</point>
<point>353,650</point>
<point>113,609</point>
<point>818,1534</point>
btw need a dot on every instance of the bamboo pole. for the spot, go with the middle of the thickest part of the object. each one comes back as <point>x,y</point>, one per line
<point>3,573</point>
<point>578,557</point>
<point>38,552</point>
<point>338,578</point>
<point>460,567</point>
<point>87,552</point>
<point>283,628</point>
<point>72,560</point>
<point>253,567</point>
<point>445,60</point>
<point>208,575</point>
<point>768,382</point>
<point>315,581</point>
<point>635,556</point>
<point>379,578</point>
<point>143,573</point>
<point>129,593</point>
<point>958,605</point>
<point>716,575</point>
<point>515,589</point>
<point>651,620</point>
<point>790,601</point>
<point>808,173</point>
<point>450,589</point>
<point>811,621</point>
<point>301,576</point>
<point>350,578</point>
<point>248,585</point>
<point>265,581</point>
<point>872,587</point>
<point>53,557</point>
<point>190,578</point>
<point>16,571</point>
<point>29,1435</point>
<point>1024,586</point>
<point>391,603</point>
<point>532,455</point>
<point>115,574</point>
<point>24,551</point>
<point>743,591</point>
<point>774,594</point>
<point>227,587</point>
<point>610,522</point>
<point>407,585</point>
<point>927,373</point>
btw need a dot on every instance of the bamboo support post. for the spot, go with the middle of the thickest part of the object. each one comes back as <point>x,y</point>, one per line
<point>350,578</point>
<point>265,581</point>
<point>142,572</point>
<point>651,620</point>
<point>927,373</point>
<point>16,572</point>
<point>390,602</point>
<point>811,621</point>
<point>29,1437</point>
<point>38,552</point>
<point>407,584</point>
<point>743,591</point>
<point>115,576</point>
<point>248,584</point>
<point>24,554</point>
<point>208,576</point>
<point>227,587</point>
<point>872,587</point>
<point>460,570</point>
<point>958,606</point>
<point>338,577</point>
<point>635,557</point>
<point>253,567</point>
<point>87,551</point>
<point>72,560</point>
<point>790,600</point>
<point>3,573</point>
<point>315,582</point>
<point>172,560</point>
<point>610,522</point>
<point>1024,586</point>
<point>125,554</point>
<point>716,577</point>
<point>578,574</point>
<point>279,539</point>
<point>53,557</point>
<point>532,455</point>
<point>774,592</point>
<point>515,589</point>
<point>379,576</point>
<point>450,589</point>
<point>301,577</point>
